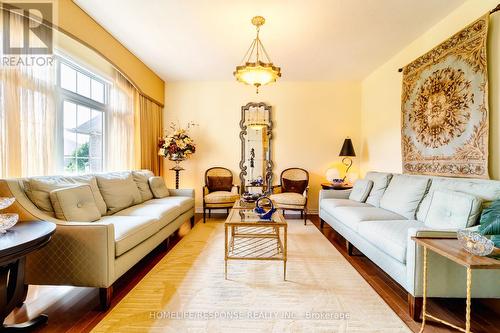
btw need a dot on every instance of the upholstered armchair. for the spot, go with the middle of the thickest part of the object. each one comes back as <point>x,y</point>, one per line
<point>219,191</point>
<point>291,193</point>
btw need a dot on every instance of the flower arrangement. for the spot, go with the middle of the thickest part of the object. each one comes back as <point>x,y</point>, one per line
<point>177,145</point>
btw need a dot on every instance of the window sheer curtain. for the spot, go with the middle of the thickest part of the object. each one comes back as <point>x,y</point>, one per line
<point>120,125</point>
<point>27,115</point>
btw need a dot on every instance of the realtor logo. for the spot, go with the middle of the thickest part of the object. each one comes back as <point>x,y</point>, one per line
<point>27,28</point>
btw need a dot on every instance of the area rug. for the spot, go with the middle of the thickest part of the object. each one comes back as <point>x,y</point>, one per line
<point>186,291</point>
<point>445,107</point>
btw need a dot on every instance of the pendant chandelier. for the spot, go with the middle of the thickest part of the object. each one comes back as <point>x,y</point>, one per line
<point>255,69</point>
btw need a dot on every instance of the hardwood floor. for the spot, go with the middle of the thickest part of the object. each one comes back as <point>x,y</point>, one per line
<point>72,309</point>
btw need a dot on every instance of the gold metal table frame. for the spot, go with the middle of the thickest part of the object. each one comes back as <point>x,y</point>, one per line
<point>255,240</point>
<point>451,249</point>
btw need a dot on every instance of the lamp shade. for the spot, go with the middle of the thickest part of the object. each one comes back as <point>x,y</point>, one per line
<point>347,149</point>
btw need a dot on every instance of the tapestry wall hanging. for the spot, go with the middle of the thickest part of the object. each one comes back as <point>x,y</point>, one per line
<point>445,107</point>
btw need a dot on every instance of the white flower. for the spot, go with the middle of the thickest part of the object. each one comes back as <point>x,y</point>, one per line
<point>162,152</point>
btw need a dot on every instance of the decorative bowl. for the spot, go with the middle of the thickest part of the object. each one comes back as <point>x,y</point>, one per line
<point>6,202</point>
<point>260,206</point>
<point>475,243</point>
<point>337,183</point>
<point>250,197</point>
<point>7,221</point>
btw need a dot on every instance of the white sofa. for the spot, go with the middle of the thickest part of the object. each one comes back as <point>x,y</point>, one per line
<point>384,235</point>
<point>96,254</point>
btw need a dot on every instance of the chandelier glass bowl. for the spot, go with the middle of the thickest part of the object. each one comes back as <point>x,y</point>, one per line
<point>257,68</point>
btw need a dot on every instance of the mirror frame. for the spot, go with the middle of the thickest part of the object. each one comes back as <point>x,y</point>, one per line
<point>269,167</point>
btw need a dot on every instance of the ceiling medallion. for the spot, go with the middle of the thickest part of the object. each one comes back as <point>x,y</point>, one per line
<point>259,71</point>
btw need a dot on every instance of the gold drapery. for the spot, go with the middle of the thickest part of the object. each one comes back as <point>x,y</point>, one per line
<point>148,131</point>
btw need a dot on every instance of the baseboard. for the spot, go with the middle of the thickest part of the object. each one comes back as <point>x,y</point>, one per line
<point>199,210</point>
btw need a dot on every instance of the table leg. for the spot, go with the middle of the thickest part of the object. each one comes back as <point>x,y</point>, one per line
<point>277,232</point>
<point>468,300</point>
<point>225,252</point>
<point>11,293</point>
<point>284,252</point>
<point>424,301</point>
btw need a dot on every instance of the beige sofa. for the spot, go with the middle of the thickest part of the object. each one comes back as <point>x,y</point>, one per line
<point>96,254</point>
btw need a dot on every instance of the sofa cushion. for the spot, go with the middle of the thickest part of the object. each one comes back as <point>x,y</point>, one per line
<point>380,182</point>
<point>452,210</point>
<point>130,231</point>
<point>38,190</point>
<point>118,190</point>
<point>184,203</point>
<point>158,187</point>
<point>391,237</point>
<point>361,190</point>
<point>164,213</point>
<point>221,197</point>
<point>141,180</point>
<point>404,194</point>
<point>353,216</point>
<point>330,204</point>
<point>487,190</point>
<point>75,204</point>
<point>289,199</point>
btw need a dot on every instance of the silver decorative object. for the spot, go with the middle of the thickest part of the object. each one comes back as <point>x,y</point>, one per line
<point>7,220</point>
<point>6,202</point>
<point>475,243</point>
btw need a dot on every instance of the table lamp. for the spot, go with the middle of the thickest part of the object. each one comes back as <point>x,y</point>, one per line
<point>347,152</point>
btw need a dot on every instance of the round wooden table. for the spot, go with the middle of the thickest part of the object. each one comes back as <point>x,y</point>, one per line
<point>15,245</point>
<point>331,186</point>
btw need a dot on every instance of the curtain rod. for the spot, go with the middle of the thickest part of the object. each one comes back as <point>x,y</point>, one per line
<point>496,9</point>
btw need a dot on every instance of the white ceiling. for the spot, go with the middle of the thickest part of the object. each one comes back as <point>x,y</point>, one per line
<point>310,39</point>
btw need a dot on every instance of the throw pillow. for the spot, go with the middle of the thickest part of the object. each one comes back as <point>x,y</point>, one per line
<point>361,190</point>
<point>452,210</point>
<point>403,195</point>
<point>293,186</point>
<point>141,179</point>
<point>118,190</point>
<point>38,190</point>
<point>75,204</point>
<point>380,182</point>
<point>158,187</point>
<point>219,183</point>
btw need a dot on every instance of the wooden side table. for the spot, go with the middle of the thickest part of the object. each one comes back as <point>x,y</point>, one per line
<point>15,245</point>
<point>331,186</point>
<point>451,249</point>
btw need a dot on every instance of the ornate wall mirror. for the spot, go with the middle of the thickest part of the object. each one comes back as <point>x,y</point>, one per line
<point>256,133</point>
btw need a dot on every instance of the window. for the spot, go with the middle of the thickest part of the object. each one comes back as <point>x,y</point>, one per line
<point>83,101</point>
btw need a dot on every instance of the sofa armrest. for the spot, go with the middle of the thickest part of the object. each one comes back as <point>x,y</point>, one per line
<point>414,255</point>
<point>79,254</point>
<point>334,194</point>
<point>431,233</point>
<point>183,192</point>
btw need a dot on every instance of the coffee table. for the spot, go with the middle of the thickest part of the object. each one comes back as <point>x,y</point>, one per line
<point>247,237</point>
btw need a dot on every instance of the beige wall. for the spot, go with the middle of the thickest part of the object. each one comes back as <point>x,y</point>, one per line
<point>311,120</point>
<point>74,21</point>
<point>381,92</point>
